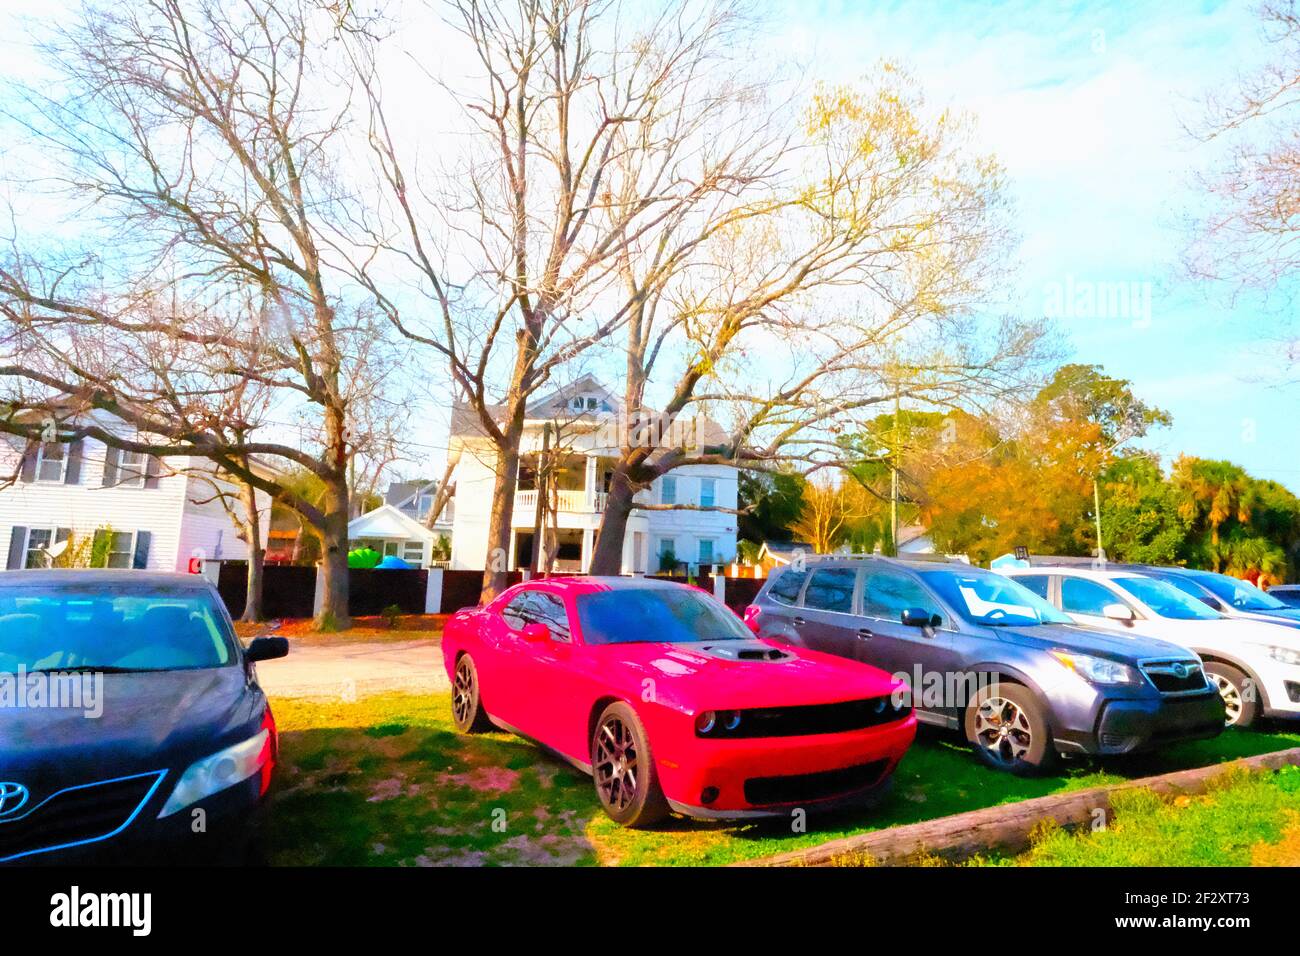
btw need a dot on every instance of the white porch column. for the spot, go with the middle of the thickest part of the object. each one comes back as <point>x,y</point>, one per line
<point>433,592</point>
<point>588,545</point>
<point>589,482</point>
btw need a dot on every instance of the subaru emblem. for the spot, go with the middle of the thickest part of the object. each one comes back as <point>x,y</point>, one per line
<point>1180,669</point>
<point>13,797</point>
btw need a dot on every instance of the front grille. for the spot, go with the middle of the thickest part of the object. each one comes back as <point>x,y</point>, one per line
<point>77,815</point>
<point>808,719</point>
<point>813,786</point>
<point>1165,676</point>
<point>1293,691</point>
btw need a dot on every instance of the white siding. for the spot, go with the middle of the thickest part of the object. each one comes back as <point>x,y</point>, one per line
<point>206,529</point>
<point>176,525</point>
<point>87,505</point>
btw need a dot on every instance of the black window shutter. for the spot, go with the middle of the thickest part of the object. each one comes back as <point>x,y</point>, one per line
<point>72,475</point>
<point>141,559</point>
<point>28,473</point>
<point>17,547</point>
<point>151,472</point>
<point>111,456</point>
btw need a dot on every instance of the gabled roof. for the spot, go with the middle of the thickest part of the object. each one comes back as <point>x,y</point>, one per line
<point>386,521</point>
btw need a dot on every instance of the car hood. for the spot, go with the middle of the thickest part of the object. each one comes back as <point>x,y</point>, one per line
<point>149,721</point>
<point>1289,616</point>
<point>1227,631</point>
<point>741,674</point>
<point>1077,637</point>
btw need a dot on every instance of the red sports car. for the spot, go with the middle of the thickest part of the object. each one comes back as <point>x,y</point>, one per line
<point>670,703</point>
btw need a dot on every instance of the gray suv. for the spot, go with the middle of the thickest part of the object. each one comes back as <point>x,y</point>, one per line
<point>986,655</point>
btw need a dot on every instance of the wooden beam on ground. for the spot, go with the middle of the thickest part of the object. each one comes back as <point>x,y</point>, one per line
<point>1007,828</point>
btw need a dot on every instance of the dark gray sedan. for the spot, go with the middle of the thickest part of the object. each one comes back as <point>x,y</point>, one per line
<point>985,655</point>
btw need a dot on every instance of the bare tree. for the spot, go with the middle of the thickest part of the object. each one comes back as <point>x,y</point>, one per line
<point>198,138</point>
<point>593,129</point>
<point>850,287</point>
<point>1250,237</point>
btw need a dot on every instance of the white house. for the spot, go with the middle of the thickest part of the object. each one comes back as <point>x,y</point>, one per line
<point>584,419</point>
<point>400,525</point>
<point>128,509</point>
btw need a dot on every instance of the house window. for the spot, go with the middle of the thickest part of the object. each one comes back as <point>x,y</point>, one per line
<point>413,552</point>
<point>666,549</point>
<point>708,492</point>
<point>50,460</point>
<point>668,490</point>
<point>38,539</point>
<point>130,474</point>
<point>705,551</point>
<point>116,547</point>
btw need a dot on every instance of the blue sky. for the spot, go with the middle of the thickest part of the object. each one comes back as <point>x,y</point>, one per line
<point>1085,105</point>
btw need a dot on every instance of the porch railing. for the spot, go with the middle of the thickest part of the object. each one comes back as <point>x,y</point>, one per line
<point>570,501</point>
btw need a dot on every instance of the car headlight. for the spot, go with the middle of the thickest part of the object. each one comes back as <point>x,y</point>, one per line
<point>717,723</point>
<point>1284,655</point>
<point>223,769</point>
<point>1097,670</point>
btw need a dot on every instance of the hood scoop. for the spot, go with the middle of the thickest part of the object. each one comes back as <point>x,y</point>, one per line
<point>745,651</point>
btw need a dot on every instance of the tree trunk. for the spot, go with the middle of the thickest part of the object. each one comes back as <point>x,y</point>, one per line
<point>607,557</point>
<point>334,614</point>
<point>503,509</point>
<point>253,539</point>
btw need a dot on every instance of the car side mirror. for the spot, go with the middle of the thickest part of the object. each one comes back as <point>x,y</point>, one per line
<point>266,649</point>
<point>536,632</point>
<point>920,617</point>
<point>1118,612</point>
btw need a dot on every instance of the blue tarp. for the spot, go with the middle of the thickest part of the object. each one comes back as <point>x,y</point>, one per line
<point>392,563</point>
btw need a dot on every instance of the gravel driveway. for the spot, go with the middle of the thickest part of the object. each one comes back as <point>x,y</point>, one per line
<point>352,671</point>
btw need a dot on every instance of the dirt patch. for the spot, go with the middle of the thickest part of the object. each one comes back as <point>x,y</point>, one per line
<point>483,779</point>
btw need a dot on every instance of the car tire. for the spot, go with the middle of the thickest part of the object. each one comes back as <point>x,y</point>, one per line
<point>1235,688</point>
<point>1009,730</point>
<point>467,711</point>
<point>623,769</point>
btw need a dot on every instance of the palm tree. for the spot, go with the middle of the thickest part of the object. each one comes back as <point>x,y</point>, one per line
<point>1210,494</point>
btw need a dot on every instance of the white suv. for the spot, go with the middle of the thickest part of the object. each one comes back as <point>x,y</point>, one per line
<point>1255,664</point>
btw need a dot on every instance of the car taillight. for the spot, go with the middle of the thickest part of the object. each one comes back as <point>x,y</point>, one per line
<point>272,750</point>
<point>751,617</point>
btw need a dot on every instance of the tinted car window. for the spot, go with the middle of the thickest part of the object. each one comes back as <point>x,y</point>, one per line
<point>1034,582</point>
<point>670,616</point>
<point>831,589</point>
<point>111,627</point>
<point>887,594</point>
<point>786,586</point>
<point>991,599</point>
<point>529,607</point>
<point>1242,595</point>
<point>1081,596</point>
<point>1167,601</point>
<point>1289,597</point>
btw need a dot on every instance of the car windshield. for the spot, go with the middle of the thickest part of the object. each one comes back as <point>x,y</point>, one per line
<point>1239,594</point>
<point>668,615</point>
<point>112,627</point>
<point>1166,600</point>
<point>992,599</point>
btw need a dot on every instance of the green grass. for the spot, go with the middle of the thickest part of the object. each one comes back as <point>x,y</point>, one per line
<point>387,781</point>
<point>1243,819</point>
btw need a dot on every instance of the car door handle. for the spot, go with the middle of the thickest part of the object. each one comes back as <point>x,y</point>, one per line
<point>799,622</point>
<point>865,633</point>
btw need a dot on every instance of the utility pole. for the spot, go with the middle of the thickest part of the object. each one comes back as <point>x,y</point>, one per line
<point>539,516</point>
<point>1096,513</point>
<point>893,484</point>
